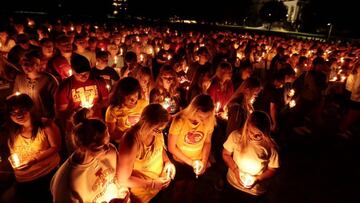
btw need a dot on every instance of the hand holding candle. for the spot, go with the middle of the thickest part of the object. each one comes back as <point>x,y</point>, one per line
<point>292,103</point>
<point>246,179</point>
<point>198,167</point>
<point>291,93</point>
<point>170,170</point>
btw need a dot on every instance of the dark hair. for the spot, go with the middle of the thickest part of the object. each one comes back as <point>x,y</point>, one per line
<point>130,56</point>
<point>123,88</point>
<point>147,115</point>
<point>203,102</point>
<point>80,115</point>
<point>22,101</point>
<point>89,132</point>
<point>261,120</point>
<point>80,63</point>
<point>102,55</point>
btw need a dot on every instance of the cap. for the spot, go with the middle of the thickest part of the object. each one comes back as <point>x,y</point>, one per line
<point>80,63</point>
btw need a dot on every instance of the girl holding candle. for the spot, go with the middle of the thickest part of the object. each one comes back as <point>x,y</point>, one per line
<point>190,136</point>
<point>88,175</point>
<point>167,86</point>
<point>126,105</point>
<point>221,88</point>
<point>252,158</point>
<point>143,164</point>
<point>34,146</point>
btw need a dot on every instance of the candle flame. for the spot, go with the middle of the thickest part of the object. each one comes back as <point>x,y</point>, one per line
<point>291,93</point>
<point>292,103</point>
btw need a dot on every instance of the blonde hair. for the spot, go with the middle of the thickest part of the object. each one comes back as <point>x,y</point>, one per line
<point>201,103</point>
<point>262,122</point>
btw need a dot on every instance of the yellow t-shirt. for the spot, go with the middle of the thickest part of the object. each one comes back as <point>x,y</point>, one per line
<point>125,117</point>
<point>149,164</point>
<point>26,149</point>
<point>254,160</point>
<point>191,138</point>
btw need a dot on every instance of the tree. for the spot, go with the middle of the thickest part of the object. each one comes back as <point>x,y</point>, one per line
<point>273,11</point>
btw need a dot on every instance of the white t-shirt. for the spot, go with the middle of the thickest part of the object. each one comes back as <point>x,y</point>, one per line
<point>253,160</point>
<point>92,182</point>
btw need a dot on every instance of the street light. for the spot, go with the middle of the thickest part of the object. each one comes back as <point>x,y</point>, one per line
<point>330,29</point>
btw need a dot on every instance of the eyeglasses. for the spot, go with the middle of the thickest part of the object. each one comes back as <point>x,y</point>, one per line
<point>168,78</point>
<point>18,112</point>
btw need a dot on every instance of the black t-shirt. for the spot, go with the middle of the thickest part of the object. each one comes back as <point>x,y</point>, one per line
<point>107,74</point>
<point>271,94</point>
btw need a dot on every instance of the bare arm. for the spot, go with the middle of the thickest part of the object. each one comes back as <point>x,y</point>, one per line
<point>206,150</point>
<point>125,165</point>
<point>176,151</point>
<point>270,172</point>
<point>54,139</point>
<point>273,114</point>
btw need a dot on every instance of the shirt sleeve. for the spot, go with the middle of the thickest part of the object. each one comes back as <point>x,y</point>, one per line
<point>61,97</point>
<point>175,127</point>
<point>109,116</point>
<point>229,144</point>
<point>274,159</point>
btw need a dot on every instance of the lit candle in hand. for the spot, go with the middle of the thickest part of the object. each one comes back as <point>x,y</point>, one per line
<point>292,103</point>
<point>291,93</point>
<point>246,179</point>
<point>14,160</point>
<point>197,166</point>
<point>169,169</point>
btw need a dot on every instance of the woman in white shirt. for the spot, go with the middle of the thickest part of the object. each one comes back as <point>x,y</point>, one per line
<point>252,158</point>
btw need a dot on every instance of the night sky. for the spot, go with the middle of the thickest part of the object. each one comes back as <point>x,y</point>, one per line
<point>317,13</point>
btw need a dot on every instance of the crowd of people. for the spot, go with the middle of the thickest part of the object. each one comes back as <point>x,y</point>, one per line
<point>108,113</point>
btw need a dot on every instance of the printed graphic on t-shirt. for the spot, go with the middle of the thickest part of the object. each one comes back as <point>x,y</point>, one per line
<point>84,94</point>
<point>194,137</point>
<point>102,177</point>
<point>132,119</point>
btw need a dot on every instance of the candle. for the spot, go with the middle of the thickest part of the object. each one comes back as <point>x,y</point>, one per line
<point>169,57</point>
<point>252,100</point>
<point>70,72</point>
<point>17,93</point>
<point>342,60</point>
<point>217,107</point>
<point>246,179</point>
<point>86,103</point>
<point>110,193</point>
<point>296,70</point>
<point>197,166</point>
<point>334,79</point>
<point>121,51</point>
<point>14,160</point>
<point>170,171</point>
<point>292,103</point>
<point>291,93</point>
<point>343,78</point>
<point>108,87</point>
<point>137,39</point>
<point>167,102</point>
<point>72,28</point>
<point>141,57</point>
<point>186,69</point>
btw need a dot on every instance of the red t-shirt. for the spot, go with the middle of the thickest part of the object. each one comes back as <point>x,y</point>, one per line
<point>75,93</point>
<point>221,95</point>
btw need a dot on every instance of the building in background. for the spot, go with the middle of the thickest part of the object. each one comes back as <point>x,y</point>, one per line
<point>119,7</point>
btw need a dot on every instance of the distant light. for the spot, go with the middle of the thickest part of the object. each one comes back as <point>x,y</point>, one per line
<point>269,14</point>
<point>329,24</point>
<point>115,12</point>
